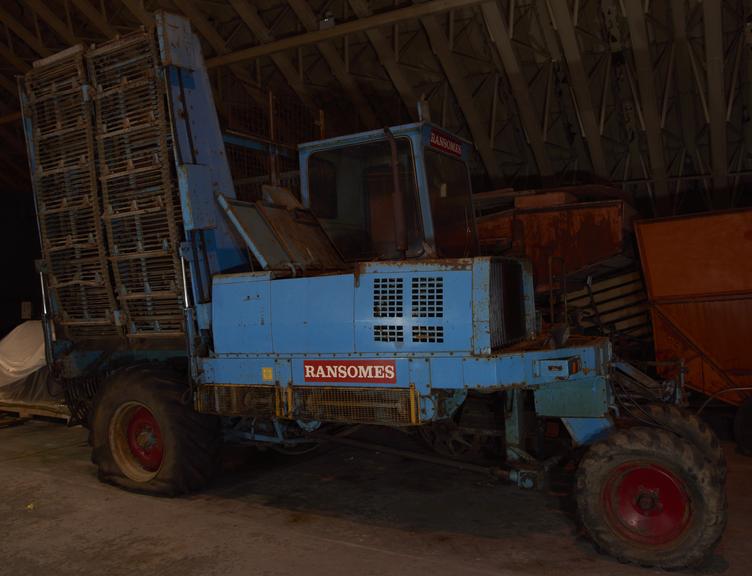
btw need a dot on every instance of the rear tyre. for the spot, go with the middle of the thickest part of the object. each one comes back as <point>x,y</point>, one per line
<point>690,427</point>
<point>649,497</point>
<point>147,437</point>
<point>743,427</point>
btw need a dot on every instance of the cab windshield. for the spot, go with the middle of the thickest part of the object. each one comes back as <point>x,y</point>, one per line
<point>351,193</point>
<point>451,205</point>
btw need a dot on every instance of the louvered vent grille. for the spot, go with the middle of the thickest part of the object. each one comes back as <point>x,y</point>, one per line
<point>388,333</point>
<point>428,334</point>
<point>427,297</point>
<point>388,301</point>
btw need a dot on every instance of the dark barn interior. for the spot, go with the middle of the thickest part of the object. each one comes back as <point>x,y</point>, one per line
<point>376,286</point>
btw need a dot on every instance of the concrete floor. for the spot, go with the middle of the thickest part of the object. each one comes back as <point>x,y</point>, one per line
<point>337,511</point>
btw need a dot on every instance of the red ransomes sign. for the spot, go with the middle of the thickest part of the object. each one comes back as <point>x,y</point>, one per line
<point>362,371</point>
<point>446,143</point>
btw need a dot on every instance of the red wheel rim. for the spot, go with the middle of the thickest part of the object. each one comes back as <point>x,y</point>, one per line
<point>145,439</point>
<point>646,503</point>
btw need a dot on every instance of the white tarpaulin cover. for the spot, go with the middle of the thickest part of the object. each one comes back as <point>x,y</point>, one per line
<point>21,352</point>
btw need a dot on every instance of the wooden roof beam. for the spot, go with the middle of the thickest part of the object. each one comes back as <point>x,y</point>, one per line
<point>713,23</point>
<point>388,60</point>
<point>339,30</point>
<point>9,86</point>
<point>457,81</point>
<point>13,59</point>
<point>23,33</point>
<point>305,14</point>
<point>250,16</point>
<point>202,25</point>
<point>580,84</point>
<point>684,79</point>
<point>95,18</point>
<point>528,115</point>
<point>60,28</point>
<point>648,102</point>
<point>136,8</point>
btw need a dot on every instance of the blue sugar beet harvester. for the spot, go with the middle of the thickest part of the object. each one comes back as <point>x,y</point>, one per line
<point>177,315</point>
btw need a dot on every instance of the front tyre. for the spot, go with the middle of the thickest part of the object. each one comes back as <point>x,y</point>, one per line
<point>147,438</point>
<point>649,497</point>
<point>690,427</point>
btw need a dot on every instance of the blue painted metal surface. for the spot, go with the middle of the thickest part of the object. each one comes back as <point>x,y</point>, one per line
<point>451,340</point>
<point>313,314</point>
<point>439,324</point>
<point>428,307</point>
<point>201,163</point>
<point>262,322</point>
<point>588,430</point>
<point>580,395</point>
<point>513,368</point>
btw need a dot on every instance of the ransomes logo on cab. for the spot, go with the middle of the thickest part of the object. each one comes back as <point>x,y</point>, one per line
<point>445,143</point>
<point>361,371</point>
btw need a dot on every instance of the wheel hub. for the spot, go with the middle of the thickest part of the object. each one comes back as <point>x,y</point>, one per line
<point>646,503</point>
<point>145,439</point>
<point>647,500</point>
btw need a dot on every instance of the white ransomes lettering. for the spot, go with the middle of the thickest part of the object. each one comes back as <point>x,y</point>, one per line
<point>349,372</point>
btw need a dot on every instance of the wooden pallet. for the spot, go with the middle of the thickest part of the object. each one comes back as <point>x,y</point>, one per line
<point>10,420</point>
<point>28,410</point>
<point>618,305</point>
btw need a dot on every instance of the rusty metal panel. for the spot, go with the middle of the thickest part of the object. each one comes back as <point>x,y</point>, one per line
<point>698,273</point>
<point>705,255</point>
<point>580,235</point>
<point>495,230</point>
<point>282,238</point>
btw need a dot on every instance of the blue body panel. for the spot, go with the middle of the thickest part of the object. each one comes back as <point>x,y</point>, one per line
<point>585,394</point>
<point>430,318</point>
<point>200,159</point>
<point>314,315</point>
<point>424,307</point>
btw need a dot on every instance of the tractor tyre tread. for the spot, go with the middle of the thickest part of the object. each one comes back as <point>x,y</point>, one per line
<point>684,460</point>
<point>192,440</point>
<point>689,426</point>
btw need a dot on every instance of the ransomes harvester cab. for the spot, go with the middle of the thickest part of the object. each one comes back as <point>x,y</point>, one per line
<point>177,315</point>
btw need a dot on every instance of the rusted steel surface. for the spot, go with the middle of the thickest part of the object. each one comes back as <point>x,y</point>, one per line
<point>544,200</point>
<point>494,201</point>
<point>495,231</point>
<point>698,274</point>
<point>580,234</point>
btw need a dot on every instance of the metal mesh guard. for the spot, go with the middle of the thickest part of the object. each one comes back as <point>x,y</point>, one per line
<point>355,405</point>
<point>236,400</point>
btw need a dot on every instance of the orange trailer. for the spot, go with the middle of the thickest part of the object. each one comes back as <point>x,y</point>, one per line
<point>698,274</point>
